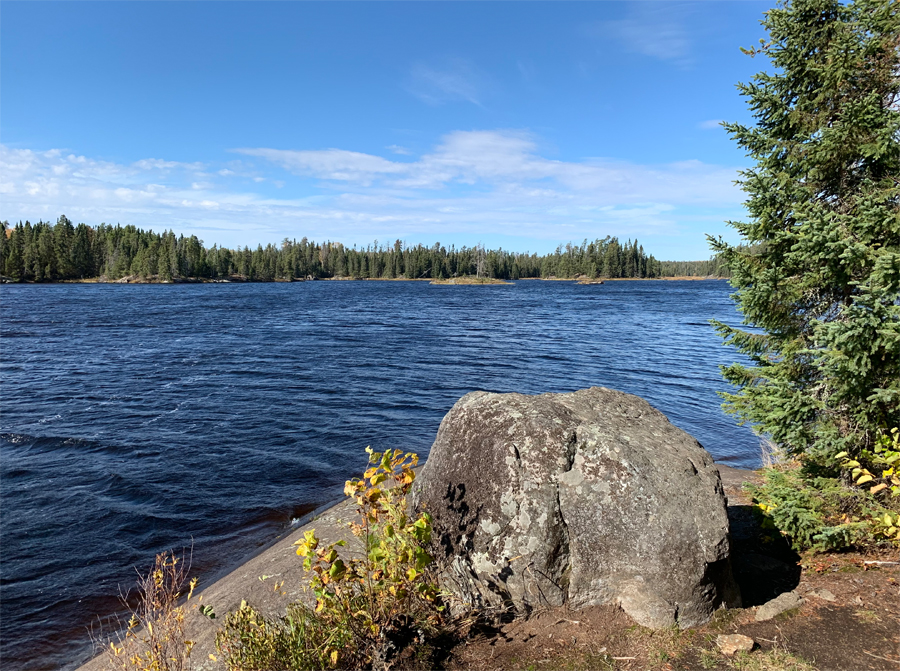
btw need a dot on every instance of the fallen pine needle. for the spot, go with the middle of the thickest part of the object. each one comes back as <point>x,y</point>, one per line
<point>880,657</point>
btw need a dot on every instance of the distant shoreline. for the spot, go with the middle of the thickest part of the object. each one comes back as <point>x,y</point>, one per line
<point>463,281</point>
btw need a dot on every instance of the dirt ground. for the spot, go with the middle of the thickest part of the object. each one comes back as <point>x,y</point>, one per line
<point>859,629</point>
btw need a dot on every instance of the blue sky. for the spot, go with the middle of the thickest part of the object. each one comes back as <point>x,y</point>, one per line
<point>516,124</point>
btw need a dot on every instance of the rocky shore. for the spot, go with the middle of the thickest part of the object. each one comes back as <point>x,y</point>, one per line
<point>847,618</point>
<point>606,538</point>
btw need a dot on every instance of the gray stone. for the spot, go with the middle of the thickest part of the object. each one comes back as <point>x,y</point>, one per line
<point>778,605</point>
<point>732,643</point>
<point>586,498</point>
<point>825,594</point>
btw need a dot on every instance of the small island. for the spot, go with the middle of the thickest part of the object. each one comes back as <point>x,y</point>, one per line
<point>468,279</point>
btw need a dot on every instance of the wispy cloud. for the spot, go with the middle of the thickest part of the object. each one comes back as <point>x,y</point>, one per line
<point>655,29</point>
<point>455,80</point>
<point>710,124</point>
<point>507,161</point>
<point>336,164</point>
<point>470,183</point>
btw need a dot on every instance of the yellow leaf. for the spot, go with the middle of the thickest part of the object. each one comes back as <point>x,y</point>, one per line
<point>334,657</point>
<point>864,479</point>
<point>213,657</point>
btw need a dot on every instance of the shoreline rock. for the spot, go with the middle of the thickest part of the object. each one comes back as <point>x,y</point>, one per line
<point>586,498</point>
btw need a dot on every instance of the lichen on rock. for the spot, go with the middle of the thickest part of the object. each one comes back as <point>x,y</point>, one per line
<point>585,498</point>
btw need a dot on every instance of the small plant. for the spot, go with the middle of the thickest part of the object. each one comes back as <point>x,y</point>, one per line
<point>885,457</point>
<point>367,611</point>
<point>709,659</point>
<point>386,593</point>
<point>154,639</point>
<point>821,513</point>
<point>300,640</point>
<point>770,660</point>
<point>888,527</point>
<point>814,513</point>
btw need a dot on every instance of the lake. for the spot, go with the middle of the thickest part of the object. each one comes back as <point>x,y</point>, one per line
<point>138,418</point>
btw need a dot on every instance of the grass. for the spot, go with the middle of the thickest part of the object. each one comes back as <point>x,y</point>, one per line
<point>723,620</point>
<point>787,614</point>
<point>709,659</point>
<point>662,645</point>
<point>770,660</point>
<point>867,616</point>
<point>583,661</point>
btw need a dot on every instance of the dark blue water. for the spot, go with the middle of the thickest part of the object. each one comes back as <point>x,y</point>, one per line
<point>141,418</point>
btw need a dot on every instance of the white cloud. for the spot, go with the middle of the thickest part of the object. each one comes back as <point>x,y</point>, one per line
<point>456,80</point>
<point>337,164</point>
<point>508,162</point>
<point>471,183</point>
<point>710,124</point>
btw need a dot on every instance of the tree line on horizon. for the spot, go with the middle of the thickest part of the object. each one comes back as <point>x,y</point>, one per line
<point>46,252</point>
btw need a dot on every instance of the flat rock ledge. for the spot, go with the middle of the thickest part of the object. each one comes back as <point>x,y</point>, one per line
<point>585,498</point>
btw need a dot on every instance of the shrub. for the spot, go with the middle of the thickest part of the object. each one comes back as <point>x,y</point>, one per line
<point>154,639</point>
<point>821,513</point>
<point>883,459</point>
<point>367,611</point>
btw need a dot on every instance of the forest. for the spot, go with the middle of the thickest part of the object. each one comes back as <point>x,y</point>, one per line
<point>47,252</point>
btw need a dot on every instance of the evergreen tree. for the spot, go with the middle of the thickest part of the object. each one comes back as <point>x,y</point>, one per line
<point>822,275</point>
<point>45,252</point>
<point>14,264</point>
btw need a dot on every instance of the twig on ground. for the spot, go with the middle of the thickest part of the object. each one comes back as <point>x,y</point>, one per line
<point>895,661</point>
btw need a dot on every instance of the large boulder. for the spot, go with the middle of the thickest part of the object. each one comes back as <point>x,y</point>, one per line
<point>586,498</point>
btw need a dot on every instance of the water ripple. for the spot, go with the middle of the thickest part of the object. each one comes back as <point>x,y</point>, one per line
<point>138,418</point>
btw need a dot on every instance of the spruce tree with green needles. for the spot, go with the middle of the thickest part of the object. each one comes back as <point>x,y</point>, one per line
<point>818,274</point>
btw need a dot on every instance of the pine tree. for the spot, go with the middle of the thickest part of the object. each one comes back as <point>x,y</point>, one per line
<point>820,273</point>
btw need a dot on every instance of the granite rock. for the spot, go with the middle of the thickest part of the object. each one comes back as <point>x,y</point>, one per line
<point>591,497</point>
